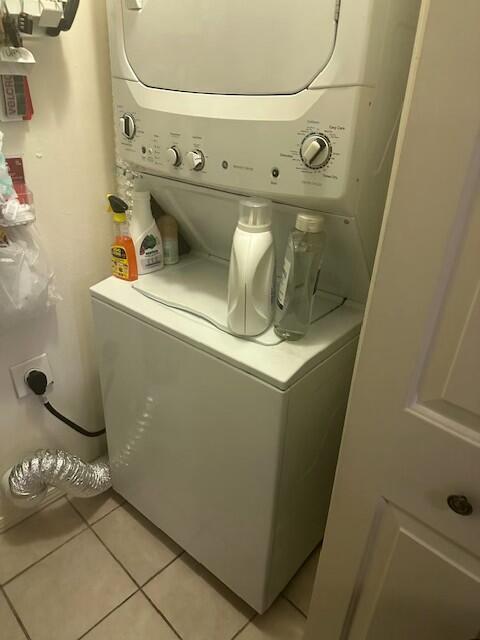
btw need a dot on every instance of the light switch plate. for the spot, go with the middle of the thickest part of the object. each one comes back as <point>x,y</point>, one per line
<point>19,371</point>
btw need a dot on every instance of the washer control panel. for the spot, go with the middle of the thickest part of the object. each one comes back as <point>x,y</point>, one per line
<point>313,160</point>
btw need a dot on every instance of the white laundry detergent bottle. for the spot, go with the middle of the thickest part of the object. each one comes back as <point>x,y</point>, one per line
<point>252,267</point>
<point>145,234</point>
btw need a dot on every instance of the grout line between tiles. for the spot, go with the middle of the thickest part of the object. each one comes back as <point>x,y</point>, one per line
<point>157,608</point>
<point>13,610</point>
<point>293,605</point>
<point>35,513</point>
<point>136,582</point>
<point>162,615</point>
<point>87,527</point>
<point>87,522</point>
<point>108,614</point>
<point>114,557</point>
<point>250,620</point>
<point>140,587</point>
<point>163,568</point>
<point>84,528</point>
<point>79,533</point>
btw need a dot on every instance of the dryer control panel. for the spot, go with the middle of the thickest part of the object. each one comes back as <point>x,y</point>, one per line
<point>303,151</point>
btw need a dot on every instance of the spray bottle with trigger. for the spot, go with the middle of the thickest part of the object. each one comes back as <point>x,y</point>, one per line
<point>124,262</point>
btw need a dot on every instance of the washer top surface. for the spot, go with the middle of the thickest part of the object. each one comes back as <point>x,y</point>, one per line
<point>222,47</point>
<point>279,365</point>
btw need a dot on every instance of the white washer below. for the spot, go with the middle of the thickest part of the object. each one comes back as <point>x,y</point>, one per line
<point>227,445</point>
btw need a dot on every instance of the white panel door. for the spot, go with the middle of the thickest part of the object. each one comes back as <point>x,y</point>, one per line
<point>402,546</point>
<point>417,585</point>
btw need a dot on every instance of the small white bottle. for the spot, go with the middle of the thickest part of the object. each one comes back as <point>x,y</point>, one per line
<point>252,267</point>
<point>145,234</point>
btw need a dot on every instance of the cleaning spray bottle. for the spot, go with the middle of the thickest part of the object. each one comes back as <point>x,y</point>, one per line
<point>145,234</point>
<point>252,266</point>
<point>124,263</point>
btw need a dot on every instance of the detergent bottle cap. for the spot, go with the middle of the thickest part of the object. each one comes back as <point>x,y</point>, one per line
<point>255,215</point>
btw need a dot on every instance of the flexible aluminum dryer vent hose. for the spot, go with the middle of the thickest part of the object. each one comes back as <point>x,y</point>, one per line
<point>29,480</point>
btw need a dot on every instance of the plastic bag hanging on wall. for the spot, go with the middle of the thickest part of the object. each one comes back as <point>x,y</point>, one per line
<point>26,278</point>
<point>16,199</point>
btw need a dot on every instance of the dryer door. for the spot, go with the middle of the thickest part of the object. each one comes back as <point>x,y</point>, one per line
<point>219,46</point>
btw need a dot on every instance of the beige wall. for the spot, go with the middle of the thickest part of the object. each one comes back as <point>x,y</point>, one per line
<point>68,158</point>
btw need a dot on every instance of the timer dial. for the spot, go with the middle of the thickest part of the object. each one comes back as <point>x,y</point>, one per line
<point>174,157</point>
<point>128,126</point>
<point>196,160</point>
<point>316,151</point>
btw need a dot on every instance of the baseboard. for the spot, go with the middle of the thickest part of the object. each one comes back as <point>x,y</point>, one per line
<point>14,515</point>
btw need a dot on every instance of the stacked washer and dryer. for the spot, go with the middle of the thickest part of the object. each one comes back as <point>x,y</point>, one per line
<point>230,445</point>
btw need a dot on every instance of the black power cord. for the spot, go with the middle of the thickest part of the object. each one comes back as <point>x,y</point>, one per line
<point>37,382</point>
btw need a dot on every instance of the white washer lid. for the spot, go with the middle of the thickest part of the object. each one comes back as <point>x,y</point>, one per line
<point>198,284</point>
<point>280,365</point>
<point>250,47</point>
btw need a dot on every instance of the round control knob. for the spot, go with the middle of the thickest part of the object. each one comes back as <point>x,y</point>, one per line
<point>128,126</point>
<point>173,156</point>
<point>196,160</point>
<point>316,151</point>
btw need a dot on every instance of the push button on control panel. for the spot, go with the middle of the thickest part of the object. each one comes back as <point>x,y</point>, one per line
<point>127,126</point>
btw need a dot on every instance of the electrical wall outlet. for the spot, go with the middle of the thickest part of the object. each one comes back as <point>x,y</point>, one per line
<point>19,371</point>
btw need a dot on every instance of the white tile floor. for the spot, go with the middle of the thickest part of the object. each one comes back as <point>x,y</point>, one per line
<point>98,570</point>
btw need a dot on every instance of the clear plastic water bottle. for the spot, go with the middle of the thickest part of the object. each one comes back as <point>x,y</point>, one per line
<point>301,267</point>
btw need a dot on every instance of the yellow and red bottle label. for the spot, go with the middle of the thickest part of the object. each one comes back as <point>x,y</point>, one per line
<point>120,266</point>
